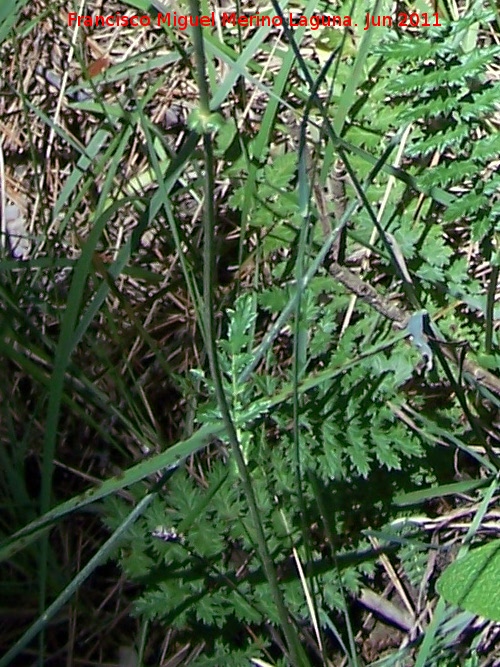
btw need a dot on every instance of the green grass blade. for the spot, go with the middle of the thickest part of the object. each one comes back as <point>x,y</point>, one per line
<point>99,557</point>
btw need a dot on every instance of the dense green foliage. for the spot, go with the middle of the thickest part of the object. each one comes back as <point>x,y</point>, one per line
<point>310,425</point>
<point>341,437</point>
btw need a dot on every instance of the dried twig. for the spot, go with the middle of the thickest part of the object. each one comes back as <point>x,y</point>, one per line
<point>400,318</point>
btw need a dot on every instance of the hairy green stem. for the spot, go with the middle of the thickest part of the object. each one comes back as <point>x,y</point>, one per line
<point>297,654</point>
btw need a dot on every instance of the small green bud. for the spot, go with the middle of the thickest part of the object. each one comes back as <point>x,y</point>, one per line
<point>204,123</point>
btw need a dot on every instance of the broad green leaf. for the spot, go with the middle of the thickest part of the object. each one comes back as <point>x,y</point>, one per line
<point>473,582</point>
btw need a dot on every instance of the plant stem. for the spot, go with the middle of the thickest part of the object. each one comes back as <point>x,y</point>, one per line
<point>297,654</point>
